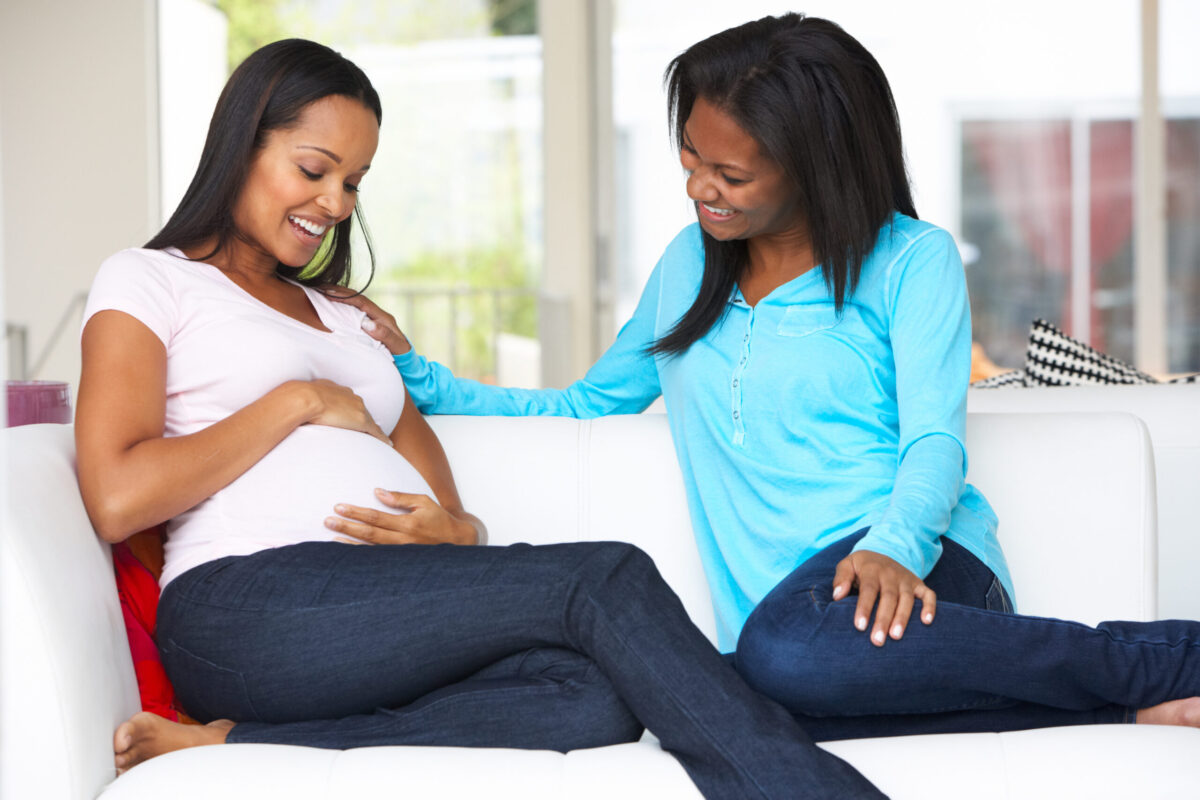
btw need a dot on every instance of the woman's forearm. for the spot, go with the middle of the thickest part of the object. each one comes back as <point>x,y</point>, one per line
<point>158,478</point>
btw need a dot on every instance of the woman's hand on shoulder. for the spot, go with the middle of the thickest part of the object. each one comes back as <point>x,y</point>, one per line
<point>895,587</point>
<point>425,523</point>
<point>379,324</point>
<point>339,407</point>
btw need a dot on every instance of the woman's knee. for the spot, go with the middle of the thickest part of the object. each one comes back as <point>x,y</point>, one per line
<point>783,654</point>
<point>617,566</point>
<point>592,713</point>
<point>603,716</point>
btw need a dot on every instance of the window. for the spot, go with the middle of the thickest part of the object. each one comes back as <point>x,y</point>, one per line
<point>1048,232</point>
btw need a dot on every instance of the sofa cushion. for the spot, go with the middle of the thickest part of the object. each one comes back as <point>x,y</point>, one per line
<point>1055,359</point>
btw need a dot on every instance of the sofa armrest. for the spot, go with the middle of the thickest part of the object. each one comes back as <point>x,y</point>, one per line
<point>67,674</point>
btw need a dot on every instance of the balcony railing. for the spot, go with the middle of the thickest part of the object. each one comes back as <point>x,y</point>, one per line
<point>461,326</point>
<point>16,337</point>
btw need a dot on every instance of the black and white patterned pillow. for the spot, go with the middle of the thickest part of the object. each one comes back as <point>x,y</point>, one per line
<point>1012,378</point>
<point>1055,359</point>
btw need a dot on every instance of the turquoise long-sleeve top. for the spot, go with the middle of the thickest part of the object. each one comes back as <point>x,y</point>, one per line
<point>794,426</point>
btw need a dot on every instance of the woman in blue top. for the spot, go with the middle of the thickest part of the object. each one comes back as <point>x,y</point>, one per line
<point>811,340</point>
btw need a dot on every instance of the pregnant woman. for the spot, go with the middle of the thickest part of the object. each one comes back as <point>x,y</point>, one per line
<point>222,394</point>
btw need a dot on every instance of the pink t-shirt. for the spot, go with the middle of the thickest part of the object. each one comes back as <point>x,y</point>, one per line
<point>226,349</point>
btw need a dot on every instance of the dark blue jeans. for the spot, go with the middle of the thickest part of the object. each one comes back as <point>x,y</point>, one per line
<point>978,667</point>
<point>555,647</point>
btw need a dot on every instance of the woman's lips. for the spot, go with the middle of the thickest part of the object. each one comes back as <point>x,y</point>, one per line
<point>306,230</point>
<point>715,214</point>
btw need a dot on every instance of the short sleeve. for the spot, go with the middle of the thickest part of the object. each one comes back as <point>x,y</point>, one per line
<point>137,283</point>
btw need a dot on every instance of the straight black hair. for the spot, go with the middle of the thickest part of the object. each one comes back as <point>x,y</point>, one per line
<point>268,91</point>
<point>819,105</point>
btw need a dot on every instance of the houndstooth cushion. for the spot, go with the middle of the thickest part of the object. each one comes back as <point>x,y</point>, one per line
<point>1014,377</point>
<point>1055,359</point>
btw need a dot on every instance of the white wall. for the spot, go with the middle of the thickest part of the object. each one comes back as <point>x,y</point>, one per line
<point>78,154</point>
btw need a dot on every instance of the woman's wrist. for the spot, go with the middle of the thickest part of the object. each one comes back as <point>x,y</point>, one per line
<point>300,402</point>
<point>400,345</point>
<point>473,531</point>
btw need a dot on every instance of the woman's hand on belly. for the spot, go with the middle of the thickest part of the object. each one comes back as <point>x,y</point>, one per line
<point>425,522</point>
<point>339,407</point>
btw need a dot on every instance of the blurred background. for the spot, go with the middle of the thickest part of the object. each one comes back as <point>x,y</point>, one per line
<point>525,184</point>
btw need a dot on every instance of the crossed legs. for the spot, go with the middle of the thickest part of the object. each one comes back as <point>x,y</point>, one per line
<point>552,647</point>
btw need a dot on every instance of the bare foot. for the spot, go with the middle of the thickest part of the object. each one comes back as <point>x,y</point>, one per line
<point>1173,712</point>
<point>146,735</point>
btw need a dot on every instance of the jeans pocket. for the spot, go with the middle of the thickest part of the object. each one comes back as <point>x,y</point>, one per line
<point>997,599</point>
<point>207,691</point>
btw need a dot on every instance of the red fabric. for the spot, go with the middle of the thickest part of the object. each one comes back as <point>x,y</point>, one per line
<point>137,587</point>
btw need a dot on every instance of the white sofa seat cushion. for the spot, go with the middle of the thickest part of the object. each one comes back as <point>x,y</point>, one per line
<point>1111,762</point>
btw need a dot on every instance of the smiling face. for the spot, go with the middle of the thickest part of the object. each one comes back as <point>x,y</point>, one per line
<point>740,193</point>
<point>302,181</point>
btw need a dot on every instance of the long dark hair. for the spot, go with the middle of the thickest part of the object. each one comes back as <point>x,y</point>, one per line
<point>819,105</point>
<point>268,91</point>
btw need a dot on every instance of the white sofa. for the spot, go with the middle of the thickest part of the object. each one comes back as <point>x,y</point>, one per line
<point>1172,414</point>
<point>1075,495</point>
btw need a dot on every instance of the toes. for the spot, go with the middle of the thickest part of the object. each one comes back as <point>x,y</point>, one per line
<point>123,738</point>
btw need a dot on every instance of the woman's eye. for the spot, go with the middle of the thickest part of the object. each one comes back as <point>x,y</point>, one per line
<point>351,187</point>
<point>312,176</point>
<point>733,181</point>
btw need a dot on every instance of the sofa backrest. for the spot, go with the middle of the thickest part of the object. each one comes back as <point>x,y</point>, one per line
<point>1075,497</point>
<point>552,479</point>
<point>1074,493</point>
<point>1172,413</point>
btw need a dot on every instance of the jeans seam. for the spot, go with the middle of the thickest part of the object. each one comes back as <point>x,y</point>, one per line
<point>241,676</point>
<point>441,701</point>
<point>305,606</point>
<point>680,706</point>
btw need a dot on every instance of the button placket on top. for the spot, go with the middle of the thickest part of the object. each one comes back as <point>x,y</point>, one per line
<point>735,383</point>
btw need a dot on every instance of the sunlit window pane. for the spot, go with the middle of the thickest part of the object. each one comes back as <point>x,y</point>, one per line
<point>1179,64</point>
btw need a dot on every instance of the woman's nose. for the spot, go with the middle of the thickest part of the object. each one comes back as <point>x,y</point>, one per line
<point>700,185</point>
<point>336,205</point>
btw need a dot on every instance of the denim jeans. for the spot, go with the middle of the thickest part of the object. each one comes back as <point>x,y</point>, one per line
<point>553,647</point>
<point>978,667</point>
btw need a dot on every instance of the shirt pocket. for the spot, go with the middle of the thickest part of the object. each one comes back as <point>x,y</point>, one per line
<point>805,320</point>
